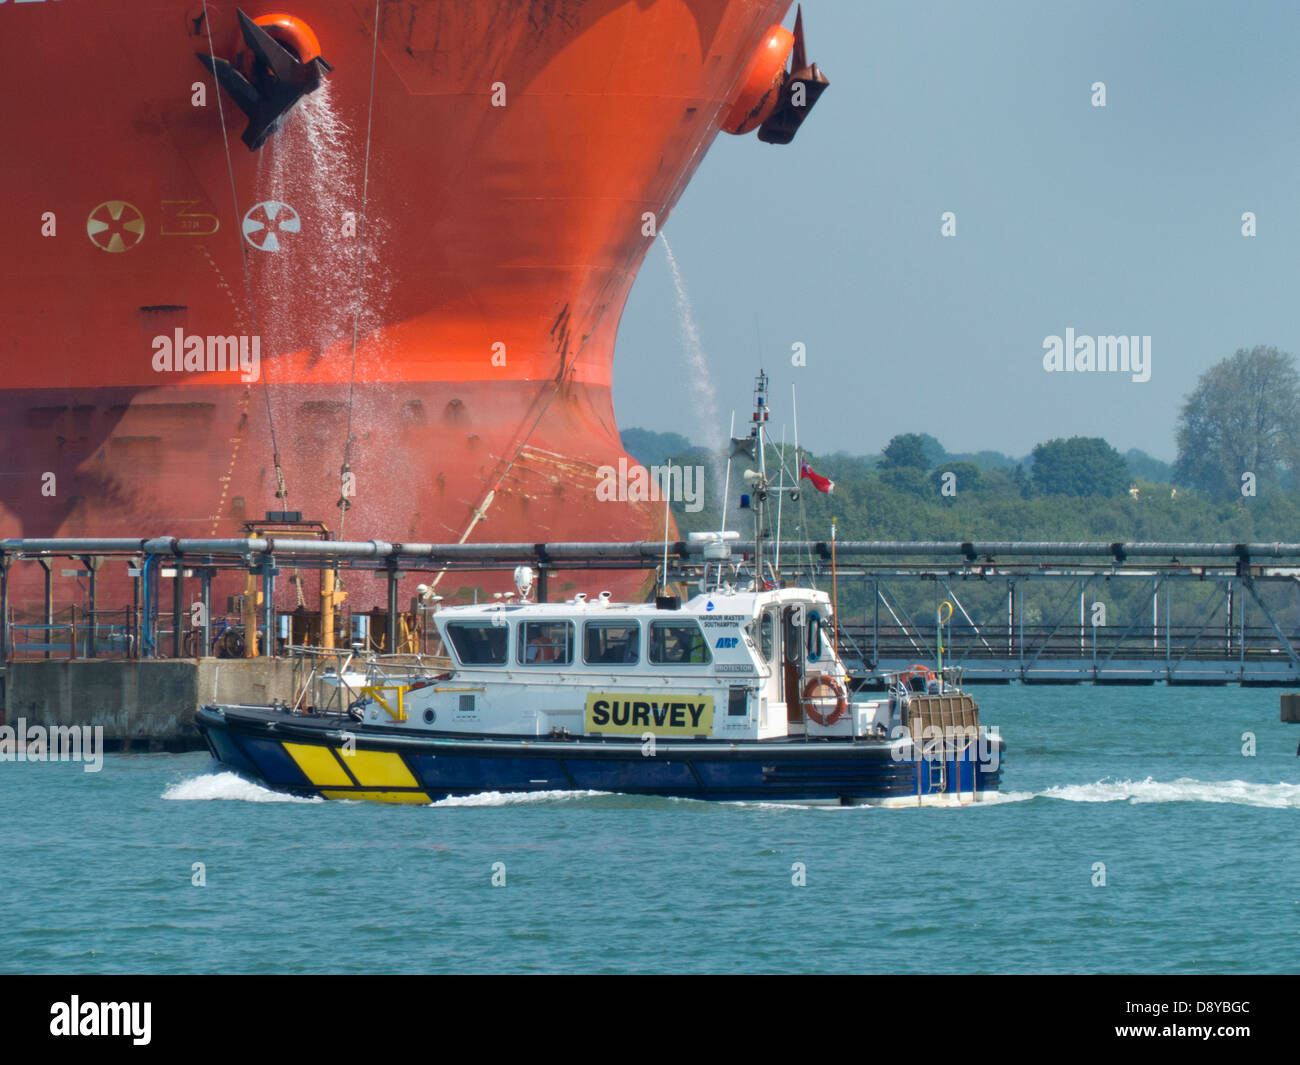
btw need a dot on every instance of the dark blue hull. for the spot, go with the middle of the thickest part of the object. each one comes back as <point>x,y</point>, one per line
<point>339,758</point>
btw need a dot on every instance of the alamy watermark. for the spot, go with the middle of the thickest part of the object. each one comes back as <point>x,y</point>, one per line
<point>633,483</point>
<point>57,743</point>
<point>77,1018</point>
<point>1108,354</point>
<point>974,743</point>
<point>214,354</point>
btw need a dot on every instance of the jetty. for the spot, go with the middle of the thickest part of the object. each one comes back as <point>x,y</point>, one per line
<point>1033,612</point>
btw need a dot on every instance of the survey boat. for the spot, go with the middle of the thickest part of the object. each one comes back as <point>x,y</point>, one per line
<point>733,695</point>
<point>736,693</point>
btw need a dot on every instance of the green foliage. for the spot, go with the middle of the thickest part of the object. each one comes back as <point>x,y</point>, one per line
<point>906,479</point>
<point>984,460</point>
<point>1240,418</point>
<point>1020,480</point>
<point>1142,465</point>
<point>965,478</point>
<point>859,465</point>
<point>653,449</point>
<point>905,503</point>
<point>907,451</point>
<point>933,450</point>
<point>1080,492</point>
<point>1079,466</point>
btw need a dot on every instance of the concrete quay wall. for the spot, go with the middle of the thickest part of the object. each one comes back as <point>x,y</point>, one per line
<point>145,704</point>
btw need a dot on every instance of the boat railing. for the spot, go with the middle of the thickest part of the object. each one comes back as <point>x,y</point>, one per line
<point>330,679</point>
<point>318,677</point>
<point>950,676</point>
<point>401,668</point>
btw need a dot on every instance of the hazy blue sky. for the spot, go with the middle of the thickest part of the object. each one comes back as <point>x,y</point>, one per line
<point>1117,220</point>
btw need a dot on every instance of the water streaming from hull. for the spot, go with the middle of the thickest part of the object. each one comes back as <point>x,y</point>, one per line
<point>311,166</point>
<point>703,393</point>
<point>332,287</point>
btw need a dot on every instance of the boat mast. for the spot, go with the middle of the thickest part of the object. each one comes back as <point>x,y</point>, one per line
<point>756,431</point>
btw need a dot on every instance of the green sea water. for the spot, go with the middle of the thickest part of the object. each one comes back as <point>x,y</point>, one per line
<point>1133,835</point>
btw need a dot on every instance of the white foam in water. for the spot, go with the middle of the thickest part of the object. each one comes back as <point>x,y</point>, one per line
<point>228,786</point>
<point>231,786</point>
<point>1184,789</point>
<point>1000,798</point>
<point>985,798</point>
<point>515,798</point>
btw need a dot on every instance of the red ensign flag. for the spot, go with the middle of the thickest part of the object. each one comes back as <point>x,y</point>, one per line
<point>822,484</point>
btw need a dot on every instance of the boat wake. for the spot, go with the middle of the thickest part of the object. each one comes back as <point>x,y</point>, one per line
<point>516,798</point>
<point>1231,792</point>
<point>1184,789</point>
<point>228,786</point>
<point>231,786</point>
<point>1135,792</point>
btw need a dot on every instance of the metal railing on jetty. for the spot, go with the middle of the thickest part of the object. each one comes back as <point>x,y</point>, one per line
<point>1179,612</point>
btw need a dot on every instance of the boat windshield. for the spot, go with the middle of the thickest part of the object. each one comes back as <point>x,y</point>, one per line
<point>478,643</point>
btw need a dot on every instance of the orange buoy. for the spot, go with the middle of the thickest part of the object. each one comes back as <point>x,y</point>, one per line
<point>918,670</point>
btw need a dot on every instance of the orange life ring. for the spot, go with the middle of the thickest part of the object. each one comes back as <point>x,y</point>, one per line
<point>917,670</point>
<point>841,701</point>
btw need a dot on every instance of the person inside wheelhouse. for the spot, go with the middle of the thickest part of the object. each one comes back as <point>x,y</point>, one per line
<point>547,643</point>
<point>678,642</point>
<point>611,643</point>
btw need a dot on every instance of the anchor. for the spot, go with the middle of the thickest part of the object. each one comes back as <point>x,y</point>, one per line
<point>282,73</point>
<point>801,88</point>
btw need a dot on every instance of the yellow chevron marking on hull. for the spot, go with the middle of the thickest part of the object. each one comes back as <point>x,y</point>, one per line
<point>381,796</point>
<point>320,765</point>
<point>380,769</point>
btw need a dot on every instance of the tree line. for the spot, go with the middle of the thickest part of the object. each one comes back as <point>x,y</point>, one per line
<point>1240,419</point>
<point>1236,476</point>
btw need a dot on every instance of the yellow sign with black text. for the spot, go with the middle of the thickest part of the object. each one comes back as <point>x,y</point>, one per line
<point>634,713</point>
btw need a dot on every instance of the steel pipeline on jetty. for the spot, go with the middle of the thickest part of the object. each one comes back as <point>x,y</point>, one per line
<point>1223,648</point>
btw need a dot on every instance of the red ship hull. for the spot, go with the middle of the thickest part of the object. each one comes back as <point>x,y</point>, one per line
<point>474,190</point>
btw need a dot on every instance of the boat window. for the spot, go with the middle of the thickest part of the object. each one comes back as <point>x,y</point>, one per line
<point>793,618</point>
<point>814,636</point>
<point>478,643</point>
<point>611,643</point>
<point>737,702</point>
<point>678,642</point>
<point>546,643</point>
<point>767,635</point>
